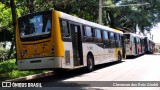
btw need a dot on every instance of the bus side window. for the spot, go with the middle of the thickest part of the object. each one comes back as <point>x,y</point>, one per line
<point>64,28</point>
<point>112,40</point>
<point>98,36</point>
<point>87,31</point>
<point>106,39</point>
<point>117,37</point>
<point>109,40</point>
<point>105,34</point>
<point>116,43</point>
<point>120,39</point>
<point>88,34</point>
<point>93,33</point>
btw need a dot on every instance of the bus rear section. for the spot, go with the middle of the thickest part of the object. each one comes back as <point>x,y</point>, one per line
<point>149,45</point>
<point>131,44</point>
<point>142,45</point>
<point>37,46</point>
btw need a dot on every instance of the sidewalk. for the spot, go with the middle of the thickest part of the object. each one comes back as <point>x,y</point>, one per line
<point>30,77</point>
<point>157,53</point>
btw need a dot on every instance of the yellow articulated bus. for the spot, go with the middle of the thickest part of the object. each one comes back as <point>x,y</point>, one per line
<point>56,40</point>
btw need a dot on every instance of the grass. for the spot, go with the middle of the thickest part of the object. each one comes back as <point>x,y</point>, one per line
<point>9,70</point>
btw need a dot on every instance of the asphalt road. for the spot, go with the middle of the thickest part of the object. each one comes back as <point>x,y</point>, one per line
<point>142,68</point>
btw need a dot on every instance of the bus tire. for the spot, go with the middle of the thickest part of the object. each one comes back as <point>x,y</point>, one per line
<point>119,57</point>
<point>90,63</point>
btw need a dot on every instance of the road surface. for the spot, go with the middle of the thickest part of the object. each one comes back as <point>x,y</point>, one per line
<point>143,68</point>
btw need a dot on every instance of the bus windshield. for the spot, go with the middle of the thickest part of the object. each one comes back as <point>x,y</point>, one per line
<point>35,25</point>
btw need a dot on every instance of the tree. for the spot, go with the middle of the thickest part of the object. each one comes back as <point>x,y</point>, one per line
<point>13,9</point>
<point>108,14</point>
<point>146,16</point>
<point>6,21</point>
<point>5,14</point>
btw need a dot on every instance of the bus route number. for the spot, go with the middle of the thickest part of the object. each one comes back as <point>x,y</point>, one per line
<point>34,20</point>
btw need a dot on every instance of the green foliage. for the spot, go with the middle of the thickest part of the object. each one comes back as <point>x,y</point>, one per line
<point>86,9</point>
<point>3,51</point>
<point>9,70</point>
<point>5,17</point>
<point>146,16</point>
<point>7,66</point>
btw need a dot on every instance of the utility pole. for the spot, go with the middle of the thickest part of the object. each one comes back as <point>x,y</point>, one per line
<point>100,11</point>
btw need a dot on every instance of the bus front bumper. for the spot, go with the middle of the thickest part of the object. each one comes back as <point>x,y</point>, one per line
<point>40,63</point>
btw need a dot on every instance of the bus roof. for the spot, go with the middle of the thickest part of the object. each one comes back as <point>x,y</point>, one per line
<point>75,19</point>
<point>136,35</point>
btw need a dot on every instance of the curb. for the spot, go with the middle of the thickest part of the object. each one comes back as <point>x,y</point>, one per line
<point>30,77</point>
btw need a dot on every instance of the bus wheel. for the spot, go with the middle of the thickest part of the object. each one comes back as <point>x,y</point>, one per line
<point>90,63</point>
<point>119,57</point>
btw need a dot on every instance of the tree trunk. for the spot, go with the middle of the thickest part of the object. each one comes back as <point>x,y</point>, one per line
<point>30,6</point>
<point>111,20</point>
<point>13,9</point>
<point>11,49</point>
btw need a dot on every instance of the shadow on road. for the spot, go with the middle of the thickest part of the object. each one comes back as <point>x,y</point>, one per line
<point>98,67</point>
<point>134,57</point>
<point>55,81</point>
<point>70,74</point>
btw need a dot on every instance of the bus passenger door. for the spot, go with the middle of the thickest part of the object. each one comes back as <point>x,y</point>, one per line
<point>123,45</point>
<point>77,44</point>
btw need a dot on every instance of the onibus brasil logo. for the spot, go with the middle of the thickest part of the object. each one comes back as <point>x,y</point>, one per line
<point>13,84</point>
